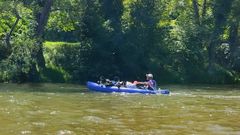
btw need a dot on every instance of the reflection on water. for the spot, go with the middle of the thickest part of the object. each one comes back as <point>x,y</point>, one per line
<point>67,110</point>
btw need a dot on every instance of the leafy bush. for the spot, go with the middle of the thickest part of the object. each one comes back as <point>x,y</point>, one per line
<point>220,75</point>
<point>17,66</point>
<point>68,60</point>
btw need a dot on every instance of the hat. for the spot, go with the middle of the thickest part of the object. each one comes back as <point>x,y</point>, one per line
<point>149,75</point>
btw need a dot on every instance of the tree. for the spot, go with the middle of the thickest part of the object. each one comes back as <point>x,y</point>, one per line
<point>139,26</point>
<point>111,13</point>
<point>42,16</point>
<point>221,10</point>
<point>41,10</point>
<point>234,41</point>
<point>9,11</point>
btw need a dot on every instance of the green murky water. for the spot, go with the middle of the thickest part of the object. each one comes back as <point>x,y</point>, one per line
<point>59,109</point>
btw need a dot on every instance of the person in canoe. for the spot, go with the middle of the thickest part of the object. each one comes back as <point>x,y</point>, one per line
<point>107,82</point>
<point>149,84</point>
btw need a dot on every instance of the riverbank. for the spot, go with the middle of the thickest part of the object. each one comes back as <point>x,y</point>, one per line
<point>71,63</point>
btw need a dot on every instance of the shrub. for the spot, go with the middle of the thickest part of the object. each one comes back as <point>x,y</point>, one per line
<point>17,66</point>
<point>68,59</point>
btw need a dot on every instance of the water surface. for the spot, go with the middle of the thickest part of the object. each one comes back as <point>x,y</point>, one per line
<point>64,109</point>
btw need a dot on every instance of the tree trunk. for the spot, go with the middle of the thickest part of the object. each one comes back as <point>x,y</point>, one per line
<point>233,42</point>
<point>8,35</point>
<point>196,11</point>
<point>42,18</point>
<point>221,11</point>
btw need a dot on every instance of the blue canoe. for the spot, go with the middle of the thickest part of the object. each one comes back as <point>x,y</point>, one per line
<point>109,89</point>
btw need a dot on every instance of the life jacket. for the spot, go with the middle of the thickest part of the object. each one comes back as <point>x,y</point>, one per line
<point>152,84</point>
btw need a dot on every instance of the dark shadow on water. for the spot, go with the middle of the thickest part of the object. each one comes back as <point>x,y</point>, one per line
<point>76,88</point>
<point>43,87</point>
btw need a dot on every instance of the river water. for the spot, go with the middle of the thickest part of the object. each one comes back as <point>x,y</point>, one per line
<point>64,109</point>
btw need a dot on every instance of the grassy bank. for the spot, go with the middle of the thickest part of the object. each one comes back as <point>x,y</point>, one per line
<point>64,62</point>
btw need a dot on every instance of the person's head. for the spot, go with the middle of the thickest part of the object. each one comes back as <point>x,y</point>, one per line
<point>149,76</point>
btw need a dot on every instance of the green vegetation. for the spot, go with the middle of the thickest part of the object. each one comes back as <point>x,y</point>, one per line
<point>65,62</point>
<point>183,41</point>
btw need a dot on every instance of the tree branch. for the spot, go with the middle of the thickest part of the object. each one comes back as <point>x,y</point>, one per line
<point>8,35</point>
<point>204,8</point>
<point>196,11</point>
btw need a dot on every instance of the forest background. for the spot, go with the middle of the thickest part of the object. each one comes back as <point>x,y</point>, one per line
<point>179,41</point>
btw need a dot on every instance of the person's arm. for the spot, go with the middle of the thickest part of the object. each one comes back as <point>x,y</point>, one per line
<point>143,83</point>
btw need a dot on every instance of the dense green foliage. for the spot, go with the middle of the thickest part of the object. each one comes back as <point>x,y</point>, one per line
<point>66,62</point>
<point>179,41</point>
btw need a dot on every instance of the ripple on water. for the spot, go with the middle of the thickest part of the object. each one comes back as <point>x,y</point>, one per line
<point>65,132</point>
<point>36,112</point>
<point>230,111</point>
<point>53,112</point>
<point>174,126</point>
<point>219,130</point>
<point>39,124</point>
<point>183,94</point>
<point>25,132</point>
<point>93,119</point>
<point>221,97</point>
<point>115,121</point>
<point>94,110</point>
